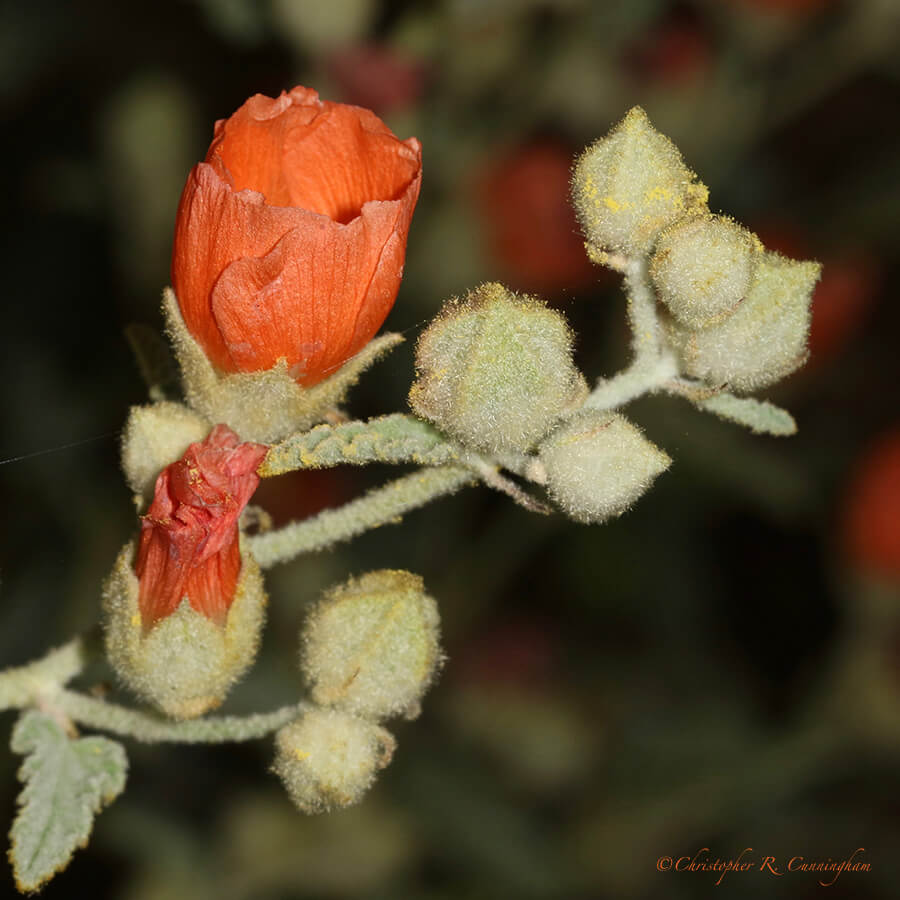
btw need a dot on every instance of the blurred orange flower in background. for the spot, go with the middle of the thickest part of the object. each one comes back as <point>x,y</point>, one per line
<point>675,53</point>
<point>845,295</point>
<point>291,236</point>
<point>189,544</point>
<point>872,515</point>
<point>529,223</point>
<point>377,76</point>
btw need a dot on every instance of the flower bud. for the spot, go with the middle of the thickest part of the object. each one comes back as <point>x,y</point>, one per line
<point>495,370</point>
<point>703,268</point>
<point>764,339</point>
<point>630,185</point>
<point>328,758</point>
<point>186,663</point>
<point>598,464</point>
<point>156,435</point>
<point>183,622</point>
<point>371,647</point>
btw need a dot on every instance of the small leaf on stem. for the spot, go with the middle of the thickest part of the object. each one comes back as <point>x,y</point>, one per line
<point>760,416</point>
<point>67,782</point>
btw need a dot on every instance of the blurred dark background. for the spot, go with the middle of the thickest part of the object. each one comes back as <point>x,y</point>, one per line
<point>718,668</point>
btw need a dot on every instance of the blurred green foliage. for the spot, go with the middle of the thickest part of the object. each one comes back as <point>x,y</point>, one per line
<point>709,670</point>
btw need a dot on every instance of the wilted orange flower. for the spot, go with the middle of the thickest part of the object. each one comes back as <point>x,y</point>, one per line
<point>189,544</point>
<point>291,236</point>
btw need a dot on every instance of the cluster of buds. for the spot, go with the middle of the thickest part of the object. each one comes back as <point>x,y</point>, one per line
<point>369,651</point>
<point>495,372</point>
<point>288,254</point>
<point>735,314</point>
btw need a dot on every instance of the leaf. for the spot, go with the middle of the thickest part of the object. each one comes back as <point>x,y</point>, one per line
<point>67,782</point>
<point>759,416</point>
<point>396,438</point>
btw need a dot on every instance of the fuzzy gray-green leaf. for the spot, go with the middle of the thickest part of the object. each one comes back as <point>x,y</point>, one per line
<point>392,439</point>
<point>759,416</point>
<point>67,782</point>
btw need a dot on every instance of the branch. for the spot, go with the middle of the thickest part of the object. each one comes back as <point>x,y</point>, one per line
<point>652,365</point>
<point>151,728</point>
<point>382,506</point>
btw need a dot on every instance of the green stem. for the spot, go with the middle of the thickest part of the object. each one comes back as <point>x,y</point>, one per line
<point>382,506</point>
<point>643,377</point>
<point>646,336</point>
<point>150,728</point>
<point>653,364</point>
<point>40,684</point>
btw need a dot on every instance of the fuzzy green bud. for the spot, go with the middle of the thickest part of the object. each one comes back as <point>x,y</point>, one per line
<point>764,339</point>
<point>598,464</point>
<point>328,758</point>
<point>630,185</point>
<point>185,663</point>
<point>371,646</point>
<point>495,370</point>
<point>154,436</point>
<point>702,268</point>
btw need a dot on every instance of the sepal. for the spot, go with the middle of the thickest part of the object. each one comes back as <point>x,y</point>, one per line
<point>185,663</point>
<point>266,406</point>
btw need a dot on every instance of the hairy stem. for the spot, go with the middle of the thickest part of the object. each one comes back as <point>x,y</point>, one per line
<point>653,365</point>
<point>150,728</point>
<point>646,335</point>
<point>382,506</point>
<point>637,380</point>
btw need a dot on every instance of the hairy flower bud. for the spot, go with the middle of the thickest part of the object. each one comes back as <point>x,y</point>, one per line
<point>495,370</point>
<point>328,758</point>
<point>186,663</point>
<point>598,464</point>
<point>184,622</point>
<point>764,339</point>
<point>703,267</point>
<point>630,185</point>
<point>154,436</point>
<point>371,647</point>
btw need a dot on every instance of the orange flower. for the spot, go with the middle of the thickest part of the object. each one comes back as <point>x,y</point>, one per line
<point>189,542</point>
<point>290,238</point>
